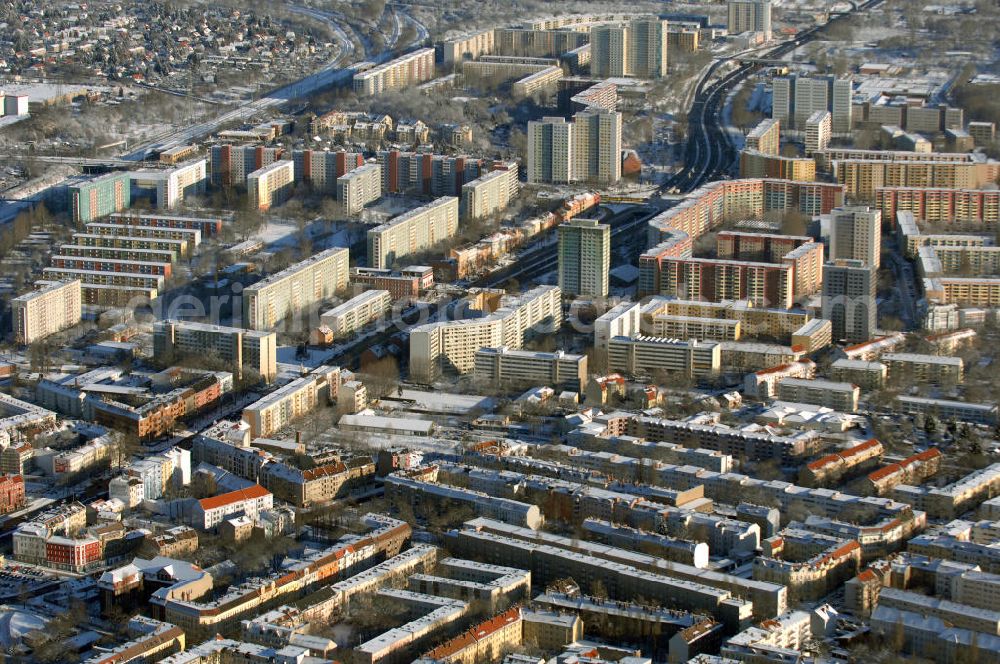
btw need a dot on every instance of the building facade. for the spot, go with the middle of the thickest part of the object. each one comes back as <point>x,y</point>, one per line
<point>269,301</point>
<point>856,234</point>
<point>235,346</point>
<point>584,257</point>
<point>796,98</point>
<point>46,311</point>
<point>271,185</point>
<point>586,149</point>
<point>749,16</point>
<point>490,193</point>
<point>411,232</point>
<point>517,368</point>
<point>96,197</point>
<point>359,187</point>
<point>357,312</point>
<point>450,347</point>
<point>402,72</point>
<point>849,299</point>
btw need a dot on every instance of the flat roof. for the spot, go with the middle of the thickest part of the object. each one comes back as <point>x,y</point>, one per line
<point>387,423</point>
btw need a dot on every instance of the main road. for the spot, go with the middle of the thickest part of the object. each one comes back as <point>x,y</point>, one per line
<point>709,154</point>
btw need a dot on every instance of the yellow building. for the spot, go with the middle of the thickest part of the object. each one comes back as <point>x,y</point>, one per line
<point>755,164</point>
<point>271,185</point>
<point>765,138</point>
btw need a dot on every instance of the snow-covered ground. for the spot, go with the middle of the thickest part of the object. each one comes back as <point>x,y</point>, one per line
<point>15,624</point>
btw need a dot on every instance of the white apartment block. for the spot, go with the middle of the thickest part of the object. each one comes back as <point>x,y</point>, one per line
<point>352,397</point>
<point>357,312</point>
<point>450,346</point>
<point>829,394</point>
<point>235,346</point>
<point>46,311</point>
<point>499,68</point>
<point>186,180</point>
<point>868,375</point>
<point>321,168</point>
<point>358,188</point>
<point>623,320</point>
<point>644,355</point>
<point>919,367</point>
<point>696,327</point>
<point>269,301</point>
<point>271,185</point>
<point>597,146</point>
<point>948,502</point>
<point>413,231</point>
<point>977,413</point>
<point>765,137</point>
<point>609,51</point>
<point>536,81</point>
<point>279,408</point>
<point>404,71</point>
<point>796,98</point>
<point>763,384</point>
<point>405,490</point>
<point>208,513</point>
<point>469,46</point>
<point>587,149</point>
<point>550,151</point>
<point>819,128</point>
<point>647,47</point>
<point>490,193</point>
<point>637,48</point>
<point>849,299</point>
<point>506,366</point>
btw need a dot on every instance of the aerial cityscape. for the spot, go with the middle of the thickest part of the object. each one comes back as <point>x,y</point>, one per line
<point>510,332</point>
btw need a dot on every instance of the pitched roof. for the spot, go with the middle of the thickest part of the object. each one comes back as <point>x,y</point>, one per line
<point>250,493</point>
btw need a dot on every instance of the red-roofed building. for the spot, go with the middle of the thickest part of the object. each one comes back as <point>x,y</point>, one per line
<point>912,470</point>
<point>631,164</point>
<point>208,513</point>
<point>861,593</point>
<point>485,642</point>
<point>810,565</point>
<point>833,468</point>
<point>74,554</point>
<point>600,390</point>
<point>871,349</point>
<point>304,488</point>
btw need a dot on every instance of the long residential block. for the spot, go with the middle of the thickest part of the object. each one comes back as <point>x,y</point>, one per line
<point>450,347</point>
<point>269,301</point>
<point>402,72</point>
<point>357,312</point>
<point>412,232</point>
<point>503,366</point>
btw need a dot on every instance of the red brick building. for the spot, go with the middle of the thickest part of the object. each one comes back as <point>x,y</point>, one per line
<point>11,493</point>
